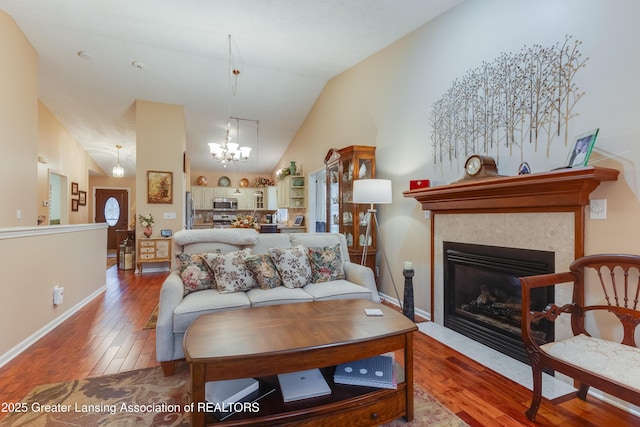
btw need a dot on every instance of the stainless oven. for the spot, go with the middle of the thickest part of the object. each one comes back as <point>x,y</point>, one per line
<point>223,220</point>
<point>225,204</point>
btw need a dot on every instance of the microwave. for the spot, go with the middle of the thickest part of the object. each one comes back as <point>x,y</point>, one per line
<point>220,203</point>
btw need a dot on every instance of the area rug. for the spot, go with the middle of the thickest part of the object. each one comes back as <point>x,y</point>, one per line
<point>153,319</point>
<point>146,398</point>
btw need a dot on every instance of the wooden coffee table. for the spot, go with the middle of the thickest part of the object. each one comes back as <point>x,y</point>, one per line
<point>265,341</point>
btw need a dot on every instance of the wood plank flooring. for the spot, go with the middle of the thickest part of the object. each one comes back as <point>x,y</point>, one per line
<point>107,336</point>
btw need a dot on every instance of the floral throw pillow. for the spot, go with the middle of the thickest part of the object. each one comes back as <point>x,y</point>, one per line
<point>326,263</point>
<point>195,273</point>
<point>264,271</point>
<point>230,271</point>
<point>293,265</point>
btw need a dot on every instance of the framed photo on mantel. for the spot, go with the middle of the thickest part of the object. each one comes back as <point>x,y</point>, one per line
<point>582,147</point>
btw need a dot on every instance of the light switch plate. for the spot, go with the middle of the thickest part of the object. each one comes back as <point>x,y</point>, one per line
<point>169,215</point>
<point>598,209</point>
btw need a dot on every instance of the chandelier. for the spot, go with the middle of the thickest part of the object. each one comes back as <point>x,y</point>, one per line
<point>229,151</point>
<point>118,171</point>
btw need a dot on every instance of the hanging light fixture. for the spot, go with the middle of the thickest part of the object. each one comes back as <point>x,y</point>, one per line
<point>229,151</point>
<point>118,171</point>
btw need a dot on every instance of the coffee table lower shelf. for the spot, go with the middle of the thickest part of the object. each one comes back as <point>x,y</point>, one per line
<point>346,406</point>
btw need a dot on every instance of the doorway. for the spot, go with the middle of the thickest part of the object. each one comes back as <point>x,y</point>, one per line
<point>58,207</point>
<point>318,201</point>
<point>112,207</point>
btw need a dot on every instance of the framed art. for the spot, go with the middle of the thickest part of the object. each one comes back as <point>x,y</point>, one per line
<point>166,233</point>
<point>74,188</point>
<point>159,187</point>
<point>74,205</point>
<point>82,198</point>
<point>582,147</point>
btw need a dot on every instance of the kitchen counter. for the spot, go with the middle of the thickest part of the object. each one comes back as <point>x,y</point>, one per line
<point>284,228</point>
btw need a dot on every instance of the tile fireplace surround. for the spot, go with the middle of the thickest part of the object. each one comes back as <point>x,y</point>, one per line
<point>543,211</point>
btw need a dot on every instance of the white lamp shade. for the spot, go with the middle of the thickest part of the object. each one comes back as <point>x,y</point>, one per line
<point>245,151</point>
<point>214,148</point>
<point>372,191</point>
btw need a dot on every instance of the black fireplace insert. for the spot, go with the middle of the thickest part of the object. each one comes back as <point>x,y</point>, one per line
<point>483,296</point>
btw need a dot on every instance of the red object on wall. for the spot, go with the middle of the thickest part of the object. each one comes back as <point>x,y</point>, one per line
<point>420,183</point>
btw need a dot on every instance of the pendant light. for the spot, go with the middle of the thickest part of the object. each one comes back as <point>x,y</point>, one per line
<point>118,171</point>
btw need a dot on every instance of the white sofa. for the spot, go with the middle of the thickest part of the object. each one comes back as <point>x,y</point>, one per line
<point>177,311</point>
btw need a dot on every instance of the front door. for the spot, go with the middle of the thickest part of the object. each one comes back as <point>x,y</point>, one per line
<point>112,208</point>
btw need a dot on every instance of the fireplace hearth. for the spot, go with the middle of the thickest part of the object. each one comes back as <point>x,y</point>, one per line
<point>482,294</point>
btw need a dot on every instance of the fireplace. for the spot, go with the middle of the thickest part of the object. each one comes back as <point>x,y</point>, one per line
<point>482,294</point>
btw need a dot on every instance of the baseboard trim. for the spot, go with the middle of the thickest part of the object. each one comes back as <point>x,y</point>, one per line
<point>394,301</point>
<point>29,341</point>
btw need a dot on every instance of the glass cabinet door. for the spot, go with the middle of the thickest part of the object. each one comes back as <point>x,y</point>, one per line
<point>333,199</point>
<point>346,204</point>
<point>344,166</point>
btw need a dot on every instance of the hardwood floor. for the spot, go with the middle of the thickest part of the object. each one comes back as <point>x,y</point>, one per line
<point>107,336</point>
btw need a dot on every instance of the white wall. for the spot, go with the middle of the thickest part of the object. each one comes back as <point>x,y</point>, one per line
<point>34,260</point>
<point>386,100</point>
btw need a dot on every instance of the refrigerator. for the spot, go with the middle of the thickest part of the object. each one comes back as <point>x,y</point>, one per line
<point>190,211</point>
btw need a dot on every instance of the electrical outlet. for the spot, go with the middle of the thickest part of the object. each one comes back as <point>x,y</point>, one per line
<point>598,209</point>
<point>58,295</point>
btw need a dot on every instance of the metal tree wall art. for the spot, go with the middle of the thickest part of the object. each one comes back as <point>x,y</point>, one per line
<point>518,99</point>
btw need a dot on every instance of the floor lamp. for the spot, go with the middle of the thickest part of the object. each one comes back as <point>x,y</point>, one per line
<point>371,192</point>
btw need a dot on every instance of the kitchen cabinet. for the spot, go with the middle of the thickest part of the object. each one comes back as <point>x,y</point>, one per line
<point>291,192</point>
<point>272,198</point>
<point>343,167</point>
<point>248,200</point>
<point>203,197</point>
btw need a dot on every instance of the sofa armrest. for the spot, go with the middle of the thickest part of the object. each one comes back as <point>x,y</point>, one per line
<point>171,294</point>
<point>363,276</point>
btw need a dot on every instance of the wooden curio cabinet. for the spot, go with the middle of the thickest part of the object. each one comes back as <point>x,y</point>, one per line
<point>344,166</point>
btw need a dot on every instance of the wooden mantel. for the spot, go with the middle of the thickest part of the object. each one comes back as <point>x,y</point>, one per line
<point>563,188</point>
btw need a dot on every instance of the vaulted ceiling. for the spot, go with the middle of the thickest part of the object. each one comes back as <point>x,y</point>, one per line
<point>96,57</point>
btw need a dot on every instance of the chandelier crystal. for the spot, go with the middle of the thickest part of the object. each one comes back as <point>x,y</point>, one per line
<point>118,171</point>
<point>229,151</point>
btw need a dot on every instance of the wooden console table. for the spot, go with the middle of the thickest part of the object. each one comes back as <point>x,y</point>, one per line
<point>153,249</point>
<point>294,337</point>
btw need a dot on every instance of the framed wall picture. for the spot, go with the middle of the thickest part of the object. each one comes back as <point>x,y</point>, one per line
<point>74,205</point>
<point>159,187</point>
<point>74,188</point>
<point>82,198</point>
<point>582,147</point>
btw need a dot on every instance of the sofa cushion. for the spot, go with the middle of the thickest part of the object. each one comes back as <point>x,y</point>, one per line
<point>326,263</point>
<point>230,271</point>
<point>194,248</point>
<point>337,289</point>
<point>203,302</point>
<point>314,240</point>
<point>195,273</point>
<point>271,240</point>
<point>264,271</point>
<point>293,265</point>
<point>612,360</point>
<point>280,295</point>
